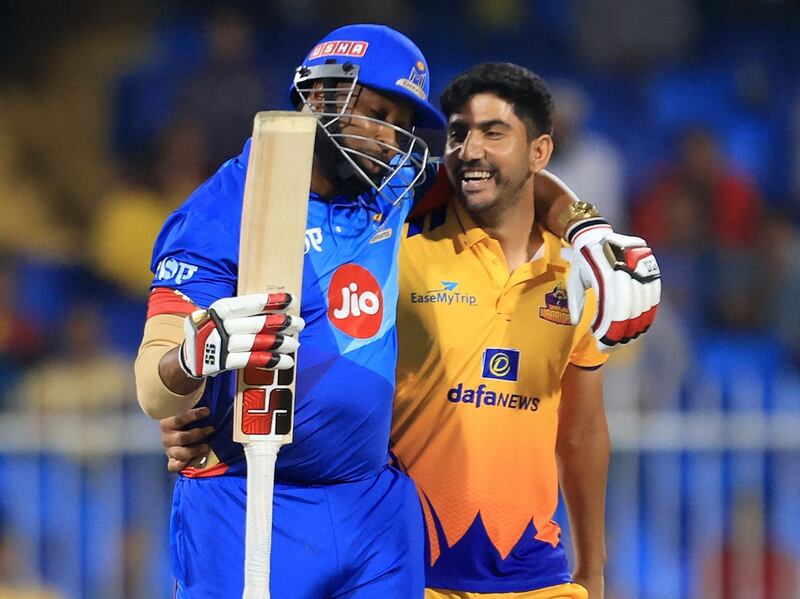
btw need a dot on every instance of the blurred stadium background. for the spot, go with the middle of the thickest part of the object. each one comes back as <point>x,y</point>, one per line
<point>679,118</point>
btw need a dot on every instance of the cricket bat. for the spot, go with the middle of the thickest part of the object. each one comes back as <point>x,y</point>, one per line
<point>270,259</point>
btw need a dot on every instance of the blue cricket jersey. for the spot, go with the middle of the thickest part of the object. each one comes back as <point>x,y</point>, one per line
<point>348,350</point>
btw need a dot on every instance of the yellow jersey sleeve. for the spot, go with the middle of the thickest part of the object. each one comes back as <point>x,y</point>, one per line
<point>585,353</point>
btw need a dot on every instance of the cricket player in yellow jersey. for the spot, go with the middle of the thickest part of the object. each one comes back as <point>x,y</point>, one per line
<point>498,395</point>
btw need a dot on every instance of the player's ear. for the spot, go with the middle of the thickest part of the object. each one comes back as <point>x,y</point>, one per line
<point>541,149</point>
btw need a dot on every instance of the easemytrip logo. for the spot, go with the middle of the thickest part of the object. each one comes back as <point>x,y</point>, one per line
<point>500,363</point>
<point>446,295</point>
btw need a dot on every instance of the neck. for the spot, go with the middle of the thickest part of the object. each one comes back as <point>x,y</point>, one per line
<point>320,183</point>
<point>513,228</point>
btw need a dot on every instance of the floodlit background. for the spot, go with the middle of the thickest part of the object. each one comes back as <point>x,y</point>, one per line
<point>679,118</point>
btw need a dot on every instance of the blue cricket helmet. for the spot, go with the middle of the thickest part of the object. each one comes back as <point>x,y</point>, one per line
<point>387,62</point>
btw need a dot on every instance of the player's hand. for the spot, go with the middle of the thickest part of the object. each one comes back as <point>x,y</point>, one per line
<point>625,276</point>
<point>249,330</point>
<point>184,446</point>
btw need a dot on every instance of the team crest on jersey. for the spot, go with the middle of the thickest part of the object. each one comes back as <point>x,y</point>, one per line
<point>556,307</point>
<point>501,363</point>
<point>415,82</point>
<point>347,48</point>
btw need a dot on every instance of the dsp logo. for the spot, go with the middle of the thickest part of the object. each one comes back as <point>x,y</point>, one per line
<point>500,363</point>
<point>170,268</point>
<point>355,301</point>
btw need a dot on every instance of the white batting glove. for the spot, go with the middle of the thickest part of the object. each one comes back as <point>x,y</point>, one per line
<point>249,330</point>
<point>625,276</point>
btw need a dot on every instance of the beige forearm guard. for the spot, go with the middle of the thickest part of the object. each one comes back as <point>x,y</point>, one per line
<point>161,334</point>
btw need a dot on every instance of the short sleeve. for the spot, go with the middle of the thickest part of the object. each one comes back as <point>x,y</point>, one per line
<point>585,353</point>
<point>196,252</point>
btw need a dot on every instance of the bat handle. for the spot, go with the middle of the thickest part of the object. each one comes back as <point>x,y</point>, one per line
<point>261,459</point>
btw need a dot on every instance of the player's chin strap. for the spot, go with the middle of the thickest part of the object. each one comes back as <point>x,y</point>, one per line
<point>398,169</point>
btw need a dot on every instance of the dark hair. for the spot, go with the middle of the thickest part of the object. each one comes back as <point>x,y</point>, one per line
<point>520,87</point>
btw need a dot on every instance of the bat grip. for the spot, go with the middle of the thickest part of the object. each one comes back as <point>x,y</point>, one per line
<point>261,457</point>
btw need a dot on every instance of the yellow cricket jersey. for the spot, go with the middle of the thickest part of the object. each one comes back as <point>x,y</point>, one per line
<point>482,353</point>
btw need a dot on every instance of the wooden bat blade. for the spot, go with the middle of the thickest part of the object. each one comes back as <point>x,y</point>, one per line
<point>271,257</point>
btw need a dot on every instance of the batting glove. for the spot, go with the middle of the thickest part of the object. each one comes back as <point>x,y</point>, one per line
<point>238,332</point>
<point>625,276</point>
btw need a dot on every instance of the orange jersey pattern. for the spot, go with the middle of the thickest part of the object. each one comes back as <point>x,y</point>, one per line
<point>482,352</point>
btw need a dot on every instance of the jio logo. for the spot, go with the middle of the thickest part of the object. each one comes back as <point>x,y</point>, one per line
<point>355,301</point>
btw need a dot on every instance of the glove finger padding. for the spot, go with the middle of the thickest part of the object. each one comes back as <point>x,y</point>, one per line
<point>637,302</point>
<point>265,323</point>
<point>626,279</point>
<point>258,359</point>
<point>236,332</point>
<point>254,303</point>
<point>576,293</point>
<point>273,342</point>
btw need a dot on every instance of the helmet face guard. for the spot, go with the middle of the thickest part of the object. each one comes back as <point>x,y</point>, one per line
<point>395,169</point>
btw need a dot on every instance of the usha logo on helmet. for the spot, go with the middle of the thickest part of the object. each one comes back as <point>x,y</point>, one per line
<point>348,48</point>
<point>355,302</point>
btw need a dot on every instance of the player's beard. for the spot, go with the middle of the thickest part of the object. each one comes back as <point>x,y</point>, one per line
<point>488,207</point>
<point>342,175</point>
<point>340,172</point>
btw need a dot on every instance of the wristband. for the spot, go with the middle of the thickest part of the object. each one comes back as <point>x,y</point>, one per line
<point>183,366</point>
<point>582,225</point>
<point>576,211</point>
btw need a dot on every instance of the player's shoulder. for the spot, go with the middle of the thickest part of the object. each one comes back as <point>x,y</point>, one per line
<point>209,221</point>
<point>558,252</point>
<point>221,194</point>
<point>434,192</point>
<point>216,205</point>
<point>427,226</point>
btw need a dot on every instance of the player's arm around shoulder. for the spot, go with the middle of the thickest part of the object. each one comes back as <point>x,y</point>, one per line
<point>621,269</point>
<point>583,448</point>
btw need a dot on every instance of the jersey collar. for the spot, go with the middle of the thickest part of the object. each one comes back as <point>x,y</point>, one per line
<point>463,230</point>
<point>466,233</point>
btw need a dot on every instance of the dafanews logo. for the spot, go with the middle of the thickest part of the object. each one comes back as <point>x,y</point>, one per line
<point>355,301</point>
<point>445,295</point>
<point>482,396</point>
<point>500,363</point>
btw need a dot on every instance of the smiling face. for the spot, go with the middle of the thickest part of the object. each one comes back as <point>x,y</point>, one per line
<point>489,157</point>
